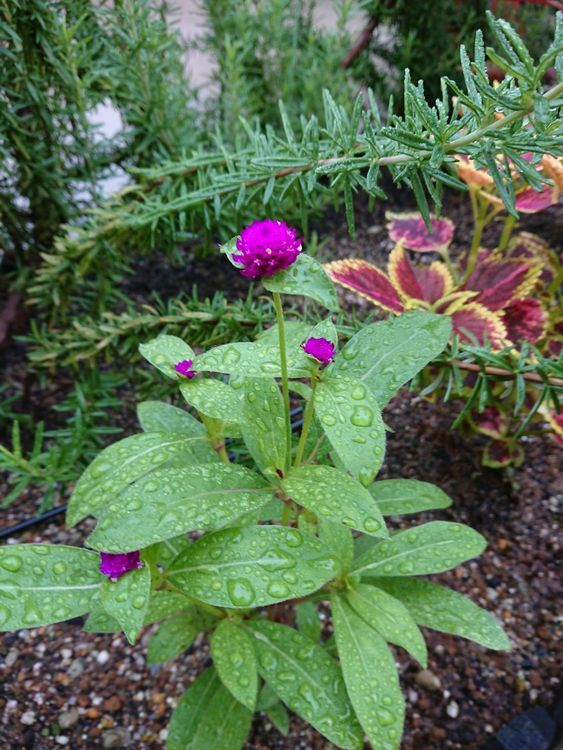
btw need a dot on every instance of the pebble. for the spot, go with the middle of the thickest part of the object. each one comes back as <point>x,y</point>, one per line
<point>427,679</point>
<point>116,738</point>
<point>11,657</point>
<point>76,668</point>
<point>103,657</point>
<point>62,740</point>
<point>28,718</point>
<point>68,718</point>
<point>452,709</point>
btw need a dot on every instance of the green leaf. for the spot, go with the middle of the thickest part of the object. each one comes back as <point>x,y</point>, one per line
<point>100,622</point>
<point>442,609</point>
<point>164,603</point>
<point>208,713</point>
<point>279,717</point>
<point>386,355</point>
<point>397,497</point>
<point>308,620</point>
<point>307,680</point>
<point>351,419</point>
<point>390,618</point>
<point>370,675</point>
<point>263,424</point>
<point>43,583</point>
<point>305,277</point>
<point>339,540</point>
<point>252,566</point>
<point>233,654</point>
<point>213,398</point>
<point>173,637</point>
<point>164,352</point>
<point>178,500</point>
<point>333,495</point>
<point>224,723</point>
<point>127,600</point>
<point>266,697</point>
<point>167,551</point>
<point>157,416</point>
<point>296,332</point>
<point>126,461</point>
<point>430,548</point>
<point>255,360</point>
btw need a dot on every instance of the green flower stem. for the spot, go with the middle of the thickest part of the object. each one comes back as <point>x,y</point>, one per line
<point>509,224</point>
<point>287,508</point>
<point>203,605</point>
<point>306,421</point>
<point>217,443</point>
<point>284,378</point>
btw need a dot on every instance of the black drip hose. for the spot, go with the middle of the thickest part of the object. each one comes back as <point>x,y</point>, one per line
<point>54,512</point>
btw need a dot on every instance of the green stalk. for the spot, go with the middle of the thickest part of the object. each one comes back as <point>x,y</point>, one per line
<point>217,443</point>
<point>509,224</point>
<point>284,378</point>
<point>306,422</point>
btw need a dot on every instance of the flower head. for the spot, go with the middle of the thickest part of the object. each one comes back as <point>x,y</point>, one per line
<point>114,566</point>
<point>266,247</point>
<point>320,349</point>
<point>185,368</point>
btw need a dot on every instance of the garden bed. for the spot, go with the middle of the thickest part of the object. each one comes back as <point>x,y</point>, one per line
<point>63,687</point>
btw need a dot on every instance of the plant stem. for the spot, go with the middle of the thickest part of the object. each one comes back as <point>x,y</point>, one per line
<point>284,378</point>
<point>286,514</point>
<point>207,607</point>
<point>306,423</point>
<point>509,224</point>
<point>217,443</point>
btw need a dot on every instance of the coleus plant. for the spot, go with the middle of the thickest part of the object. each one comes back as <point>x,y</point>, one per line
<point>298,521</point>
<point>497,298</point>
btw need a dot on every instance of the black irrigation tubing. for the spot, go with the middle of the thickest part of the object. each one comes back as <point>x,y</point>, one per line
<point>54,512</point>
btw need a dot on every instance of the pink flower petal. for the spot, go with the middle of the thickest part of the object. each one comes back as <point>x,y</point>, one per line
<point>530,201</point>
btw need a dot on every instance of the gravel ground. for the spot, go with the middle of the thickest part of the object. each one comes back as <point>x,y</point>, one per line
<point>61,687</point>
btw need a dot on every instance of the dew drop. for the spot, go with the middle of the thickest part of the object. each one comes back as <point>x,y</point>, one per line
<point>278,589</point>
<point>241,592</point>
<point>362,416</point>
<point>11,563</point>
<point>59,568</point>
<point>328,420</point>
<point>371,524</point>
<point>293,538</point>
<point>4,614</point>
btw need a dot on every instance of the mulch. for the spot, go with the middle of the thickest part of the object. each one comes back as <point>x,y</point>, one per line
<point>62,687</point>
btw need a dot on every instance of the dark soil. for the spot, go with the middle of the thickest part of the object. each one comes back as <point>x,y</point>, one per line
<point>63,687</point>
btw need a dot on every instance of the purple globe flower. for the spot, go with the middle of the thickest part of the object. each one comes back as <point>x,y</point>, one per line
<point>114,566</point>
<point>266,247</point>
<point>320,349</point>
<point>185,368</point>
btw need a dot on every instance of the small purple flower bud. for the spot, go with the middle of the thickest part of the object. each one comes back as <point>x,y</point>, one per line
<point>114,566</point>
<point>320,349</point>
<point>184,368</point>
<point>266,247</point>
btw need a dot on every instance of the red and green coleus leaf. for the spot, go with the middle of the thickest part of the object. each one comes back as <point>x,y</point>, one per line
<point>498,454</point>
<point>410,229</point>
<point>474,322</point>
<point>366,280</point>
<point>530,201</point>
<point>555,421</point>
<point>524,319</point>
<point>499,281</point>
<point>491,422</point>
<point>428,283</point>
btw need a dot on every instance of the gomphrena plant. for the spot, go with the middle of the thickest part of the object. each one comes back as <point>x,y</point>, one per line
<point>304,524</point>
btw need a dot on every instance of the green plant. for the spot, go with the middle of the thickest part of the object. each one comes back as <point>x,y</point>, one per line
<point>60,61</point>
<point>213,192</point>
<point>58,455</point>
<point>305,525</point>
<point>267,51</point>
